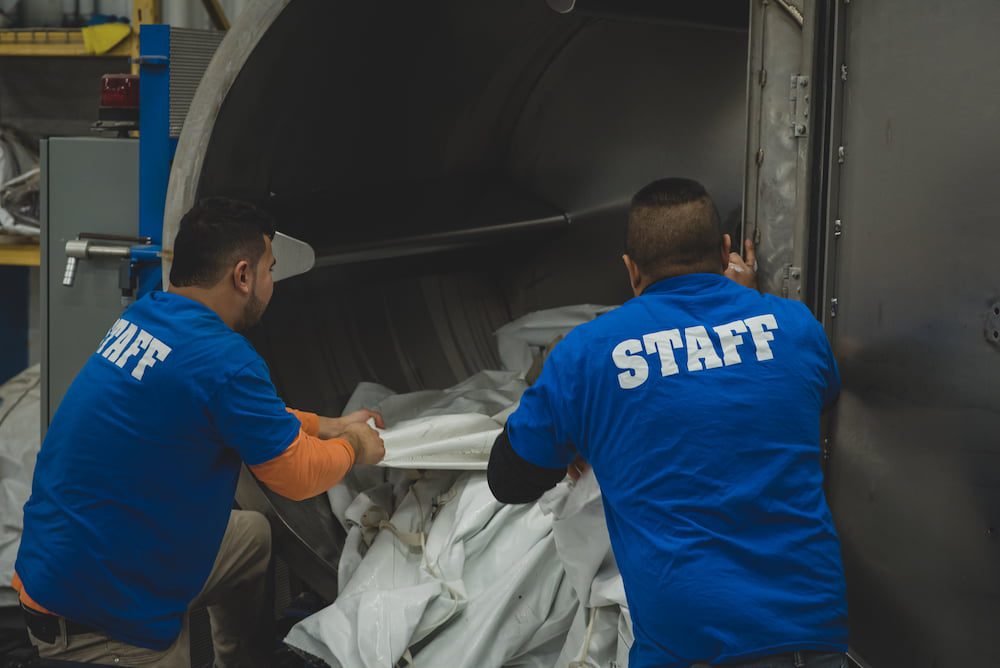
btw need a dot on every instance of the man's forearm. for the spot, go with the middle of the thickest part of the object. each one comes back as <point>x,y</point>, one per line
<point>309,466</point>
<point>513,479</point>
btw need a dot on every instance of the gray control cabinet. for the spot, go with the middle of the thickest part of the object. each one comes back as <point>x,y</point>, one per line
<point>88,185</point>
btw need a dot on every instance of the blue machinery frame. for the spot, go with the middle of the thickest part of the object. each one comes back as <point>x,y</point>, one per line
<point>156,152</point>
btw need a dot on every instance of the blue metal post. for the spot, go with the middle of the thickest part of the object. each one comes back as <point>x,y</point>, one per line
<point>156,148</point>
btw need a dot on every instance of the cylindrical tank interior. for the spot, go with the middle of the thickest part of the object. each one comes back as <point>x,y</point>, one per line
<point>456,165</point>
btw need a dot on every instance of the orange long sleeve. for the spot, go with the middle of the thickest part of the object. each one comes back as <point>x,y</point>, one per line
<point>26,600</point>
<point>309,466</point>
<point>310,421</point>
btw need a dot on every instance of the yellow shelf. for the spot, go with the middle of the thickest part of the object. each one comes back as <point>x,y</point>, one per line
<point>20,255</point>
<point>56,43</point>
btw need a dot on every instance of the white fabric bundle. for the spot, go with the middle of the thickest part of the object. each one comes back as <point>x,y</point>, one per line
<point>20,440</point>
<point>521,342</point>
<point>455,428</point>
<point>436,572</point>
<point>456,579</point>
<point>443,429</point>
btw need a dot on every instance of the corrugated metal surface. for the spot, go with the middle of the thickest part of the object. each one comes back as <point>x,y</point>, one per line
<point>190,52</point>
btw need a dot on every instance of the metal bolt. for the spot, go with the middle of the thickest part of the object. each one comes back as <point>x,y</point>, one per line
<point>838,228</point>
<point>834,304</point>
<point>843,72</point>
<point>841,154</point>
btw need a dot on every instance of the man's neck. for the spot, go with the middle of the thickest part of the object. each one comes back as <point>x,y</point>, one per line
<point>209,298</point>
<point>702,269</point>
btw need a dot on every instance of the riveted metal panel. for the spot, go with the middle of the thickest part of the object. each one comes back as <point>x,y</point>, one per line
<point>780,112</point>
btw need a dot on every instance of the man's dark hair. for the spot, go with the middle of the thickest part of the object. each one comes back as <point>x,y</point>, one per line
<point>214,235</point>
<point>673,228</point>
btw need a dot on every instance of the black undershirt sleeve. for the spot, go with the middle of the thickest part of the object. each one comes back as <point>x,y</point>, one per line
<point>513,479</point>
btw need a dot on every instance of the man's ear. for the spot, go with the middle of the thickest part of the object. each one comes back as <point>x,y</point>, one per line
<point>727,248</point>
<point>243,277</point>
<point>634,275</point>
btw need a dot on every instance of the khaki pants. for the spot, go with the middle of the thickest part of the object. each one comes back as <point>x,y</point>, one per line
<point>236,595</point>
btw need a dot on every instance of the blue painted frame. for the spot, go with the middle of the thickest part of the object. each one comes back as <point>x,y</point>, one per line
<point>156,150</point>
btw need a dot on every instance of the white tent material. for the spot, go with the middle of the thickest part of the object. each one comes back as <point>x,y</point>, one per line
<point>443,429</point>
<point>601,633</point>
<point>455,428</point>
<point>454,579</point>
<point>20,401</point>
<point>457,579</point>
<point>436,572</point>
<point>522,341</point>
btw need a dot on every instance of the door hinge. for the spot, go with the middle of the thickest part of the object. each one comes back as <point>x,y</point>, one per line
<point>838,228</point>
<point>843,72</point>
<point>841,154</point>
<point>791,284</point>
<point>799,99</point>
<point>834,307</point>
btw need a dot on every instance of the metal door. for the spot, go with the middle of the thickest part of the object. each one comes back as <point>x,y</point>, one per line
<point>88,185</point>
<point>913,308</point>
<point>780,139</point>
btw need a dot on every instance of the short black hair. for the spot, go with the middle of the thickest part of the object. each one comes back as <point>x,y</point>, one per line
<point>216,234</point>
<point>673,228</point>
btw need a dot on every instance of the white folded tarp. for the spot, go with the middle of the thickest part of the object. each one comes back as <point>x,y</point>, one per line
<point>436,572</point>
<point>443,429</point>
<point>20,401</point>
<point>521,342</point>
<point>455,428</point>
<point>455,578</point>
<point>601,633</point>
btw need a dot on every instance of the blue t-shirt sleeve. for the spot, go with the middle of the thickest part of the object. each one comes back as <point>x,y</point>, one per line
<point>540,429</point>
<point>251,418</point>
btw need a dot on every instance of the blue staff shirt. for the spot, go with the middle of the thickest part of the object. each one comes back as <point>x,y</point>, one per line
<point>135,479</point>
<point>697,404</point>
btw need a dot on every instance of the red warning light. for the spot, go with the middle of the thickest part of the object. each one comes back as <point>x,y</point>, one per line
<point>120,91</point>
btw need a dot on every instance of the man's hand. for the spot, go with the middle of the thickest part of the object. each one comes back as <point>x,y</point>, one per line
<point>743,271</point>
<point>334,427</point>
<point>367,444</point>
<point>577,468</point>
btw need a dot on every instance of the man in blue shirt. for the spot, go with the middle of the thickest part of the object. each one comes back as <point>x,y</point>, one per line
<point>130,522</point>
<point>697,404</point>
